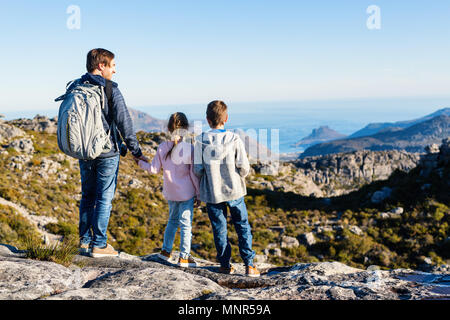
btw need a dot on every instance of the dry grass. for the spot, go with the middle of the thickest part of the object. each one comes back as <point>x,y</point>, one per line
<point>59,252</point>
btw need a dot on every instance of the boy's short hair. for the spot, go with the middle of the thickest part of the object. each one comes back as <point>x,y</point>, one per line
<point>96,57</point>
<point>216,112</point>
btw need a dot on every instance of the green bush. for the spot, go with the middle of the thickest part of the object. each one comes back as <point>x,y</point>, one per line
<point>59,252</point>
<point>62,228</point>
<point>14,229</point>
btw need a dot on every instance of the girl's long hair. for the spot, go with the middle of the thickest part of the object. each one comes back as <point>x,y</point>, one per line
<point>177,120</point>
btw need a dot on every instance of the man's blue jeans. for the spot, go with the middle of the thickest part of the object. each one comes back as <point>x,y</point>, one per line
<point>218,216</point>
<point>98,185</point>
<point>180,215</point>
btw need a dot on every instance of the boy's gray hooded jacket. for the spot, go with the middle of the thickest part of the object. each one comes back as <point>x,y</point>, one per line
<point>221,163</point>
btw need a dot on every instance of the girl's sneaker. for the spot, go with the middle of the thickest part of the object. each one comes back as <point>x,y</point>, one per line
<point>189,262</point>
<point>164,255</point>
<point>251,271</point>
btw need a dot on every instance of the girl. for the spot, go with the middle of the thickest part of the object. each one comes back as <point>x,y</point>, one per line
<point>180,187</point>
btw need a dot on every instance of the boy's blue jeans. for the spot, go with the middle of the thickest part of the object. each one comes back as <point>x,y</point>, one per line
<point>218,216</point>
<point>98,185</point>
<point>180,215</point>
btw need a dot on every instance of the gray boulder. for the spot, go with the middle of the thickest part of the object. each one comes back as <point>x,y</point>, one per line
<point>356,230</point>
<point>18,162</point>
<point>433,148</point>
<point>8,132</point>
<point>272,249</point>
<point>289,242</point>
<point>397,211</point>
<point>307,238</point>
<point>24,145</point>
<point>381,195</point>
<point>144,284</point>
<point>38,123</point>
<point>22,279</point>
<point>339,293</point>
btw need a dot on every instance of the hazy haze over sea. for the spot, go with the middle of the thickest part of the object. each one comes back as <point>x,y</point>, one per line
<point>294,120</point>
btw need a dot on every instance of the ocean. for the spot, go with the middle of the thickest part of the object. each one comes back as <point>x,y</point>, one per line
<point>296,120</point>
<point>293,120</point>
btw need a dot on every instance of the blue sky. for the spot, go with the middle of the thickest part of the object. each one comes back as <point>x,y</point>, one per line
<point>189,52</point>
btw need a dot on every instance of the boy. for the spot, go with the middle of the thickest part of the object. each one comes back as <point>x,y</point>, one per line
<point>221,163</point>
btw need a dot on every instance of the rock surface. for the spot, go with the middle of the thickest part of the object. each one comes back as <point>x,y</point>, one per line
<point>38,123</point>
<point>333,175</point>
<point>8,132</point>
<point>130,277</point>
<point>342,173</point>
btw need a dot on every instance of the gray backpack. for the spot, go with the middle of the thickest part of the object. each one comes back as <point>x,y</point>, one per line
<point>80,128</point>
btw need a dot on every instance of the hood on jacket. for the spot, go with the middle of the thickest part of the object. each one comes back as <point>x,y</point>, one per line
<point>217,144</point>
<point>95,79</point>
<point>91,78</point>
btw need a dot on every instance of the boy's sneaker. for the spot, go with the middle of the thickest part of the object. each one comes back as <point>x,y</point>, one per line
<point>107,251</point>
<point>189,262</point>
<point>164,255</point>
<point>84,249</point>
<point>251,271</point>
<point>225,270</point>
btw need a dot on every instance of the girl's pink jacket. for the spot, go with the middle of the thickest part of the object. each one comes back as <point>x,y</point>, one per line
<point>180,182</point>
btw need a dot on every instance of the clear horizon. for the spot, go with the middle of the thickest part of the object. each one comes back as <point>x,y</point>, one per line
<point>391,109</point>
<point>295,120</point>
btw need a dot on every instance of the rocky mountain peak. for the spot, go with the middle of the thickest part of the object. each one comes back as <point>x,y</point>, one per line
<point>318,135</point>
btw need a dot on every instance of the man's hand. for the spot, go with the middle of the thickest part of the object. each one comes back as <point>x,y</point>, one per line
<point>197,203</point>
<point>142,157</point>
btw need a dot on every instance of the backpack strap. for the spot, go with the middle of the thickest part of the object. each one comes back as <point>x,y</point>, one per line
<point>109,97</point>
<point>108,92</point>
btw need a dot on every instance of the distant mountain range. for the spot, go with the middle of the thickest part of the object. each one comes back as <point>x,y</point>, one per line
<point>321,134</point>
<point>145,122</point>
<point>411,136</point>
<point>374,128</point>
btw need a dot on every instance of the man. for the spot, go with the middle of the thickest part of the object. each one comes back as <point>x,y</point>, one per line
<point>99,176</point>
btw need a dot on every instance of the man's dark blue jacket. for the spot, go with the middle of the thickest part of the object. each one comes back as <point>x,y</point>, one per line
<point>121,116</point>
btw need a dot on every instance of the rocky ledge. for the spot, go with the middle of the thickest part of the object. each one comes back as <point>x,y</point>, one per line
<point>130,277</point>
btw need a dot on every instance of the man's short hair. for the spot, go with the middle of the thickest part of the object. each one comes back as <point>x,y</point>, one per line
<point>96,57</point>
<point>216,112</point>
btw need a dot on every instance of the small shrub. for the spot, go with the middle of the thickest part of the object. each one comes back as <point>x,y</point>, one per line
<point>59,252</point>
<point>62,228</point>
